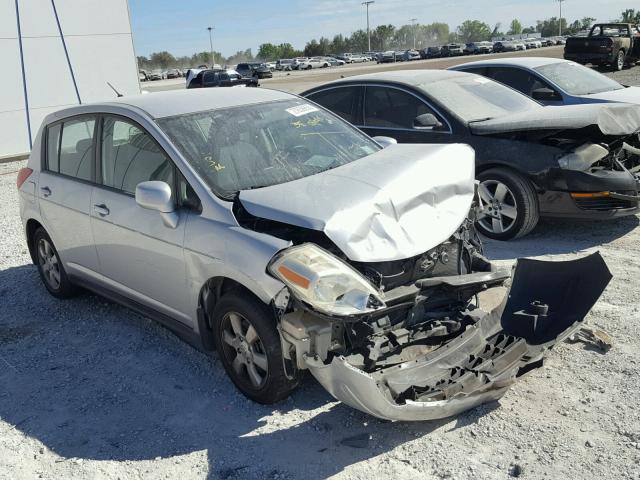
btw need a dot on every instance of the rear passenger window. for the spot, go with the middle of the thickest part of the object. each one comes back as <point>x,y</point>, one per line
<point>516,78</point>
<point>341,101</point>
<point>130,156</point>
<point>70,148</point>
<point>392,108</point>
<point>53,147</point>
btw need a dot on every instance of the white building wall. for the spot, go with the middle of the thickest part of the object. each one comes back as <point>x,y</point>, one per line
<point>97,34</point>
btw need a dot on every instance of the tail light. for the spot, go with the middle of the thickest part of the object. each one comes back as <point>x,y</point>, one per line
<point>23,174</point>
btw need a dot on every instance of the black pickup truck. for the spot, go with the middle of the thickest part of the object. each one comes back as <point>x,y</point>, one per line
<point>611,44</point>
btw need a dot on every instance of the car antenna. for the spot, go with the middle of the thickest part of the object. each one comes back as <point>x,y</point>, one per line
<point>114,89</point>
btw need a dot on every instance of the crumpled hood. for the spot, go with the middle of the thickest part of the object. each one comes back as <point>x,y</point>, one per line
<point>612,119</point>
<point>394,204</point>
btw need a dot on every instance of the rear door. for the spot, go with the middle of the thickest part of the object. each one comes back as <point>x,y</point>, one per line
<point>140,256</point>
<point>345,101</point>
<point>64,189</point>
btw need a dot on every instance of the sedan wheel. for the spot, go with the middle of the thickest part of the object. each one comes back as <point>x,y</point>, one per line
<point>48,262</point>
<point>498,205</point>
<point>249,345</point>
<point>507,204</point>
<point>244,349</point>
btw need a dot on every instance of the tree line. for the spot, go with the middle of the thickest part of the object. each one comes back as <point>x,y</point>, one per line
<point>385,37</point>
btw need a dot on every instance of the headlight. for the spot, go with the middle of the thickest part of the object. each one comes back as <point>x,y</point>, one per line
<point>325,282</point>
<point>582,158</point>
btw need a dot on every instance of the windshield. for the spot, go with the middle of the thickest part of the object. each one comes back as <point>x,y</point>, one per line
<point>266,144</point>
<point>472,97</point>
<point>576,79</point>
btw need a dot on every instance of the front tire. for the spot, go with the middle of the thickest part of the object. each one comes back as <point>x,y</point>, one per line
<point>249,346</point>
<point>52,272</point>
<point>508,205</point>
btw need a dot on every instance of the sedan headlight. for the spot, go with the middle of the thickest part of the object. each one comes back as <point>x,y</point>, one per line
<point>325,282</point>
<point>583,157</point>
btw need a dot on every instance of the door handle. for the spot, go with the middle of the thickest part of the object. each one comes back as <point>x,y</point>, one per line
<point>101,209</point>
<point>46,191</point>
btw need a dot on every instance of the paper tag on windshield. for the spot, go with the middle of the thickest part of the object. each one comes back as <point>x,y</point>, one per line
<point>300,110</point>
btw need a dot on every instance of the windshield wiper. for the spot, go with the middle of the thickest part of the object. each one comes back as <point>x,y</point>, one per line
<point>480,119</point>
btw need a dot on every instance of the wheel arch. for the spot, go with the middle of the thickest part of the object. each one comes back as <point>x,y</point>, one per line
<point>491,165</point>
<point>30,229</point>
<point>210,293</point>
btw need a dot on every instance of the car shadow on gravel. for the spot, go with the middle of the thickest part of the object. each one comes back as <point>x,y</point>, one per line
<point>92,380</point>
<point>555,236</point>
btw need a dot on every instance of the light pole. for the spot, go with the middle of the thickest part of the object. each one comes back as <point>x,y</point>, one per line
<point>560,21</point>
<point>213,59</point>
<point>368,31</point>
<point>413,22</point>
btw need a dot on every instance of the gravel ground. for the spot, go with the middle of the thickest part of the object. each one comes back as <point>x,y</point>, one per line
<point>89,389</point>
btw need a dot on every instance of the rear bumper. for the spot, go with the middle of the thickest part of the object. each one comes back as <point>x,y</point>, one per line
<point>595,58</point>
<point>478,365</point>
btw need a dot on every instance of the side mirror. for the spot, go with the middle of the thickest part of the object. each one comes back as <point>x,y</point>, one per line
<point>545,95</point>
<point>426,121</point>
<point>385,142</point>
<point>156,195</point>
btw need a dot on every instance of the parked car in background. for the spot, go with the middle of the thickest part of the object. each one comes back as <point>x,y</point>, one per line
<point>519,45</point>
<point>297,61</point>
<point>220,78</point>
<point>504,46</point>
<point>608,44</point>
<point>553,81</point>
<point>196,212</point>
<point>284,64</point>
<point>315,62</point>
<point>531,160</point>
<point>155,74</point>
<point>142,76</point>
<point>475,48</point>
<point>255,69</point>
<point>386,57</point>
<point>270,65</point>
<point>431,52</point>
<point>173,73</point>
<point>334,62</point>
<point>451,50</point>
<point>532,43</point>
<point>410,55</point>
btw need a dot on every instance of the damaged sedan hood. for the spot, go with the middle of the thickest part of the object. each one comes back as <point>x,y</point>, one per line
<point>394,204</point>
<point>611,119</point>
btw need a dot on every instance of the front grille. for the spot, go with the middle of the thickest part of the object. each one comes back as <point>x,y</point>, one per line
<point>605,203</point>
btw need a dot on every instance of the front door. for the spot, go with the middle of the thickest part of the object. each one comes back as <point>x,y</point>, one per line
<point>391,111</point>
<point>140,256</point>
<point>64,191</point>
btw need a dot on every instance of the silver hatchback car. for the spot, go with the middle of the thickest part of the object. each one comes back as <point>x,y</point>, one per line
<point>256,223</point>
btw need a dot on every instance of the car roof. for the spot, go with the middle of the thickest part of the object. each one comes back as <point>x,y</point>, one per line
<point>179,102</point>
<point>406,77</point>
<point>527,62</point>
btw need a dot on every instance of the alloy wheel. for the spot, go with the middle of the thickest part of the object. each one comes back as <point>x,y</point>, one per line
<point>244,350</point>
<point>498,209</point>
<point>48,262</point>
<point>620,60</point>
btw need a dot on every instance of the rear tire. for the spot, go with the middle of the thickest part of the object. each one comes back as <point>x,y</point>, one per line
<point>618,65</point>
<point>509,202</point>
<point>52,272</point>
<point>248,343</point>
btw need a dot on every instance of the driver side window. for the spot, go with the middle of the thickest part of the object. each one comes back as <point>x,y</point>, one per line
<point>392,108</point>
<point>130,156</point>
<point>517,79</point>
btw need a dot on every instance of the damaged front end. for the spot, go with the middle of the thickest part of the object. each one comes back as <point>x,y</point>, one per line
<point>424,348</point>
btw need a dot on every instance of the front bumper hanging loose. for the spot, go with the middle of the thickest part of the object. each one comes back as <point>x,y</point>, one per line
<point>546,303</point>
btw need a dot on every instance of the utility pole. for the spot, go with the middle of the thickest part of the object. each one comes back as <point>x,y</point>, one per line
<point>413,22</point>
<point>560,21</point>
<point>213,59</point>
<point>368,31</point>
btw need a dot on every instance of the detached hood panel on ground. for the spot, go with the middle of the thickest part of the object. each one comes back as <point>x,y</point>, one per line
<point>611,119</point>
<point>394,204</point>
